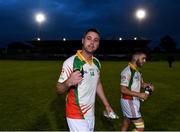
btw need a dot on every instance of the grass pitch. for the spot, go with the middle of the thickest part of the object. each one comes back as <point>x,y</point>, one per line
<point>28,100</point>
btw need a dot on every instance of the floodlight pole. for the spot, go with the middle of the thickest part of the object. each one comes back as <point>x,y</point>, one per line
<point>140,16</point>
<point>40,18</point>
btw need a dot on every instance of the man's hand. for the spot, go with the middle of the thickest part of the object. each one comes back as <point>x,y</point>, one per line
<point>109,113</point>
<point>150,85</point>
<point>74,78</point>
<point>143,96</point>
<point>108,108</point>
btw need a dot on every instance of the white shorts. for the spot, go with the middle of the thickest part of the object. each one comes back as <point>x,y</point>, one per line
<point>130,108</point>
<point>86,125</point>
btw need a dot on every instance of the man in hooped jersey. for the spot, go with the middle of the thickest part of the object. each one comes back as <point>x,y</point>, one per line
<point>80,78</point>
<point>131,84</point>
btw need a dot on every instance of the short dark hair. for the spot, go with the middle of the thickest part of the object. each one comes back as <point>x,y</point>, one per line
<point>136,54</point>
<point>91,30</point>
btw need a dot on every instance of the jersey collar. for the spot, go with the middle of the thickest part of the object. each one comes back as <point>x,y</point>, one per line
<point>133,66</point>
<point>82,58</point>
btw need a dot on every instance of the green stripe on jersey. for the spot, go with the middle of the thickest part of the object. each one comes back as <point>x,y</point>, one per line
<point>97,63</point>
<point>132,76</point>
<point>78,64</point>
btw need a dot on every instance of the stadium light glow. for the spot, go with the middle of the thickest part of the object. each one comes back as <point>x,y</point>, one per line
<point>64,39</point>
<point>135,38</point>
<point>140,14</point>
<point>120,38</point>
<point>40,17</point>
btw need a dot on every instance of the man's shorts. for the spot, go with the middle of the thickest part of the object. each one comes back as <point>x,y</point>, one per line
<point>130,108</point>
<point>81,124</point>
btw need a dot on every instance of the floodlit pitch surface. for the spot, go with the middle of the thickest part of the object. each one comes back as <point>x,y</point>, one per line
<point>28,100</point>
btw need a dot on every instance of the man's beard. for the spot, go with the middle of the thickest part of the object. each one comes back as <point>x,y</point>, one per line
<point>89,52</point>
<point>138,63</point>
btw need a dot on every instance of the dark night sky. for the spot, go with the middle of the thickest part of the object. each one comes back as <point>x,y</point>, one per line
<point>69,19</point>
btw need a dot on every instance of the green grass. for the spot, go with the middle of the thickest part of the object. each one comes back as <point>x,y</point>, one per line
<point>28,100</point>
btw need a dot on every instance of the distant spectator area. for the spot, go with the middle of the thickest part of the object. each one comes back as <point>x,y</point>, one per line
<point>61,49</point>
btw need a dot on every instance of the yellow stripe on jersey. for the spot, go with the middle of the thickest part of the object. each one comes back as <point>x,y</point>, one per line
<point>132,66</point>
<point>82,58</point>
